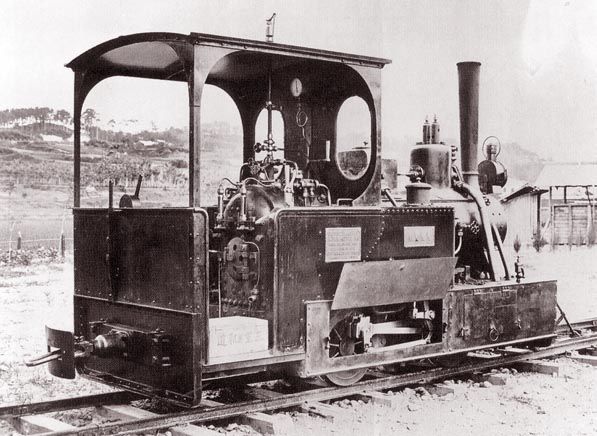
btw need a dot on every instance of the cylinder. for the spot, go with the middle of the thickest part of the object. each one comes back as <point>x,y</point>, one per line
<point>110,344</point>
<point>468,92</point>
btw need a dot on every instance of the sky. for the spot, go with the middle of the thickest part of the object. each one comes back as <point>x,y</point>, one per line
<point>538,74</point>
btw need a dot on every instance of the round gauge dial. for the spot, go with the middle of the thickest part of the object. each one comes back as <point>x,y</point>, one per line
<point>296,87</point>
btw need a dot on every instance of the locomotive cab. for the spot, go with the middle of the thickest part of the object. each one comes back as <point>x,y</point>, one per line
<point>298,266</point>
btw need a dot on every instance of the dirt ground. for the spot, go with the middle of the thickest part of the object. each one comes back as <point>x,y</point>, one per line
<point>528,404</point>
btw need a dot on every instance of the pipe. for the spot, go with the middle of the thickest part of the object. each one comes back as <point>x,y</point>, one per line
<point>500,247</point>
<point>468,93</point>
<point>476,195</point>
<point>387,193</point>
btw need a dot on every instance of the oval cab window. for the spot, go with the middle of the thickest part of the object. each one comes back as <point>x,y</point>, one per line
<point>353,138</point>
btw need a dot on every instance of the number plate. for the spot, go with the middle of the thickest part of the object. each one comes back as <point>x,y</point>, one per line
<point>419,236</point>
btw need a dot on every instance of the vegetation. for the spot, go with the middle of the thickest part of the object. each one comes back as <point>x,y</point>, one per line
<point>538,242</point>
<point>15,135</point>
<point>21,116</point>
<point>592,234</point>
<point>517,244</point>
<point>27,257</point>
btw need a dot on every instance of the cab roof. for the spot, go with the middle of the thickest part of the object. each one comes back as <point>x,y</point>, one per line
<point>163,55</point>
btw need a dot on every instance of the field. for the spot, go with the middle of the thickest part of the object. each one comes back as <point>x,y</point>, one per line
<point>36,183</point>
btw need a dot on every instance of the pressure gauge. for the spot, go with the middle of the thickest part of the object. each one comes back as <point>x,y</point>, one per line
<point>296,87</point>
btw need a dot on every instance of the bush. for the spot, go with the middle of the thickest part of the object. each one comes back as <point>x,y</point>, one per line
<point>27,257</point>
<point>592,234</point>
<point>538,242</point>
<point>179,163</point>
<point>517,244</point>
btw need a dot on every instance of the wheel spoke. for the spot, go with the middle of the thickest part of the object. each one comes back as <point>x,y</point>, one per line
<point>337,334</point>
<point>334,345</point>
<point>337,353</point>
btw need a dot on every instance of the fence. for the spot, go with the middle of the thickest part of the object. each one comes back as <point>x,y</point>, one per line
<point>21,244</point>
<point>36,232</point>
<point>66,183</point>
<point>573,224</point>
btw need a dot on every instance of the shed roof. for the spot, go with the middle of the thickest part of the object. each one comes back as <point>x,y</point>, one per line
<point>568,174</point>
<point>525,189</point>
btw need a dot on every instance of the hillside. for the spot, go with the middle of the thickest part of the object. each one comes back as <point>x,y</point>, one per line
<point>521,163</point>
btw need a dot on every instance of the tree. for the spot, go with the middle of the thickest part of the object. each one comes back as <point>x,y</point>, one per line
<point>42,114</point>
<point>89,117</point>
<point>62,116</point>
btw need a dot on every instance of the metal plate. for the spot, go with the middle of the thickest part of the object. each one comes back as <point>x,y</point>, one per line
<point>65,366</point>
<point>419,236</point>
<point>393,281</point>
<point>342,244</point>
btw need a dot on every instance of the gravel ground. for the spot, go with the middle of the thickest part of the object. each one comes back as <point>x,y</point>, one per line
<point>529,404</point>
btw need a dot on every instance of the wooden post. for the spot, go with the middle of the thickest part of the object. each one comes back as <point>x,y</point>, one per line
<point>589,222</point>
<point>551,218</point>
<point>19,241</point>
<point>10,241</point>
<point>538,232</point>
<point>570,223</point>
<point>62,245</point>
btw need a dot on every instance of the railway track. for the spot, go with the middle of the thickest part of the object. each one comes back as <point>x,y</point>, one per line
<point>261,400</point>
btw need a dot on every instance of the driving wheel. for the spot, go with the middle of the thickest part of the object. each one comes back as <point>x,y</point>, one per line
<point>341,344</point>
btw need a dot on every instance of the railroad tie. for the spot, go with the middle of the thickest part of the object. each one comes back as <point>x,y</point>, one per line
<point>125,412</point>
<point>584,358</point>
<point>261,422</point>
<point>328,412</point>
<point>540,366</point>
<point>36,424</point>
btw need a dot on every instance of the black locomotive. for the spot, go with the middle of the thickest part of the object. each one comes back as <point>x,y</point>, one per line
<point>308,265</point>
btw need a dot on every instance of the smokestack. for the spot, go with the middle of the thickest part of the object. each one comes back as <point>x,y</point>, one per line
<point>468,92</point>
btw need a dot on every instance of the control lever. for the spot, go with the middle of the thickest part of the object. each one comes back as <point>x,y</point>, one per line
<point>128,201</point>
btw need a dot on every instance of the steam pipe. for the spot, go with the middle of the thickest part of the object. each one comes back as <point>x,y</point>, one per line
<point>498,241</point>
<point>468,93</point>
<point>476,195</point>
<point>387,193</point>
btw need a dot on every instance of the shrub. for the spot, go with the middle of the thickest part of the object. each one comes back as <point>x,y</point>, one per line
<point>27,257</point>
<point>179,163</point>
<point>592,234</point>
<point>538,242</point>
<point>517,244</point>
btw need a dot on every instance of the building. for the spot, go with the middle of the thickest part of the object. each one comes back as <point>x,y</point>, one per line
<point>522,207</point>
<point>569,212</point>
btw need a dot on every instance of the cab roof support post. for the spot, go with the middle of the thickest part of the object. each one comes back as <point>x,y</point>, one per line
<point>194,81</point>
<point>202,60</point>
<point>78,104</point>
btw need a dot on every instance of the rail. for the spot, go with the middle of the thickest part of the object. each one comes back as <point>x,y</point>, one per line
<point>282,401</point>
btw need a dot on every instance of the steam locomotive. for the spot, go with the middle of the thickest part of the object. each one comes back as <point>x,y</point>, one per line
<point>309,264</point>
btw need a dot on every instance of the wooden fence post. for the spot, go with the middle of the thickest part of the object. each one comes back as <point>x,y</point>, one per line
<point>570,224</point>
<point>19,241</point>
<point>62,245</point>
